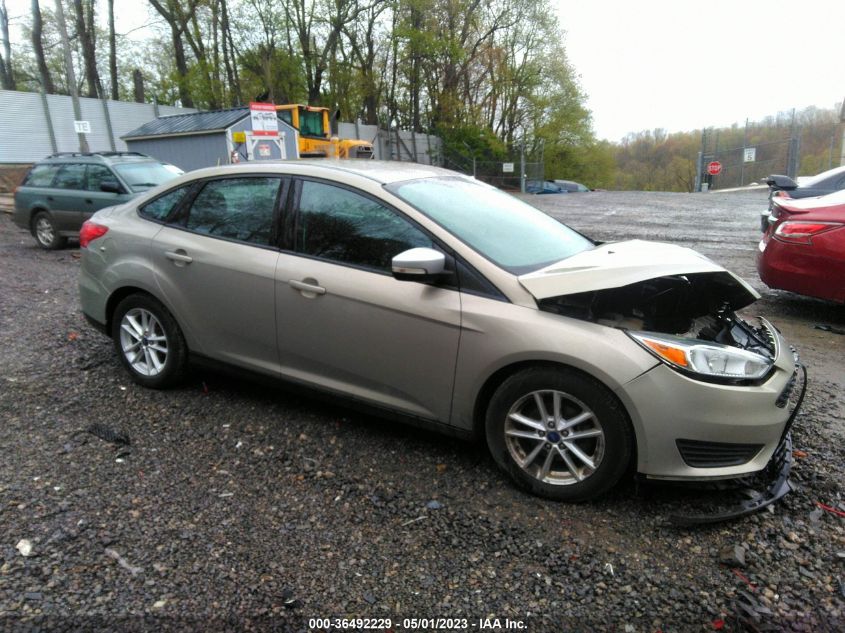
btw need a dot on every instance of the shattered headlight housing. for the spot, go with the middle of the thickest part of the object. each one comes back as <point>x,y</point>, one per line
<point>705,360</point>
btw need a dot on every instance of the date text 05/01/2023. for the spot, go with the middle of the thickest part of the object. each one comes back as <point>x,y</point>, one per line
<point>443,624</point>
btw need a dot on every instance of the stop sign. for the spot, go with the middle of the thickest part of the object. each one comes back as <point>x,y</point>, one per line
<point>714,168</point>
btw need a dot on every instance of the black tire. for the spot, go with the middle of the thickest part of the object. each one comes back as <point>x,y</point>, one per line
<point>604,437</point>
<point>151,348</point>
<point>44,232</point>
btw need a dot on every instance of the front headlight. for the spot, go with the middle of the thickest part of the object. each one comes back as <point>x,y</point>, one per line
<point>703,358</point>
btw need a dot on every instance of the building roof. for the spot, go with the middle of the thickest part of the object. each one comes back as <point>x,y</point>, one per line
<point>191,123</point>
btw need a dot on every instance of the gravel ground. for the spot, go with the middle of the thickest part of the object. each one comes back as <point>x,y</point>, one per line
<point>242,506</point>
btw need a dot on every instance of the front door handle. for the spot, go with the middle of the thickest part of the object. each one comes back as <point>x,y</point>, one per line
<point>89,201</point>
<point>179,256</point>
<point>307,287</point>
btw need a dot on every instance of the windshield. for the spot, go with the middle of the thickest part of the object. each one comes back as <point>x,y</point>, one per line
<point>510,233</point>
<point>143,176</point>
<point>311,123</point>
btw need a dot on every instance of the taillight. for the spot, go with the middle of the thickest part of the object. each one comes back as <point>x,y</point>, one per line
<point>89,232</point>
<point>800,232</point>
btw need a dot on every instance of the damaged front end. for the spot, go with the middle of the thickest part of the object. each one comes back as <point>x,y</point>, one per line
<point>686,321</point>
<point>682,308</point>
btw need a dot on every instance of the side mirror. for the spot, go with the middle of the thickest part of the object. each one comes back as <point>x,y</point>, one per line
<point>424,265</point>
<point>111,186</point>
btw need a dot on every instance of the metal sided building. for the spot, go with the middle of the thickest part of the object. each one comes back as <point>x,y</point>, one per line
<point>205,139</point>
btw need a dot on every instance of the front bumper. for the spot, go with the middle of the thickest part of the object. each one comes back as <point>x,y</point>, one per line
<point>666,407</point>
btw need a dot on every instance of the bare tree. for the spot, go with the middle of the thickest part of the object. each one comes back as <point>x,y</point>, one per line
<point>38,49</point>
<point>115,94</point>
<point>174,15</point>
<point>7,78</point>
<point>87,36</point>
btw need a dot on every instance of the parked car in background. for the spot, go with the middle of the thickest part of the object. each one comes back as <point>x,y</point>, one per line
<point>543,187</point>
<point>444,301</point>
<point>805,187</point>
<point>62,191</point>
<point>803,248</point>
<point>571,186</point>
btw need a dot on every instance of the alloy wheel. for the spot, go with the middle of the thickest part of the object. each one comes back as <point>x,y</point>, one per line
<point>44,231</point>
<point>554,437</point>
<point>143,342</point>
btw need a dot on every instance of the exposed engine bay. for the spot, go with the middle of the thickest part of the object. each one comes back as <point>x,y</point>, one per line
<point>698,306</point>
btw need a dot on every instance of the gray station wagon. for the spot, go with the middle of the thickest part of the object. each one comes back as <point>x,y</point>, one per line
<point>62,191</point>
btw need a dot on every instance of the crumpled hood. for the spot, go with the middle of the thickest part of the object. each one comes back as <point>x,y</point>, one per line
<point>617,264</point>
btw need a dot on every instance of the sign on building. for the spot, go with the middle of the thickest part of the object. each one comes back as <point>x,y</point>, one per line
<point>264,121</point>
<point>82,127</point>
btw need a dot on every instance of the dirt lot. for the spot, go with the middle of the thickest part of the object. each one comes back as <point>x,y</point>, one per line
<point>248,507</point>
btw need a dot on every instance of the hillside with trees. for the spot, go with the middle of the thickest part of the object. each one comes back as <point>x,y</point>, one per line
<point>657,161</point>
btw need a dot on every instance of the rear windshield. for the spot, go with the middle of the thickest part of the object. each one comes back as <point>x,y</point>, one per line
<point>510,233</point>
<point>812,181</point>
<point>143,176</point>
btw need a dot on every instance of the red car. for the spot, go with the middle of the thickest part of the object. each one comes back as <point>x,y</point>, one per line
<point>803,248</point>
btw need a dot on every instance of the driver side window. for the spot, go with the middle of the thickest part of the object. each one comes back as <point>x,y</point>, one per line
<point>343,226</point>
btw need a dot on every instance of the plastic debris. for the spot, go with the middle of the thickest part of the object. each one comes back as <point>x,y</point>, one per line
<point>24,546</point>
<point>108,434</point>
<point>830,509</point>
<point>123,562</point>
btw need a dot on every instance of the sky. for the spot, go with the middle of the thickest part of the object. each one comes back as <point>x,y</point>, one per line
<point>682,65</point>
<point>674,64</point>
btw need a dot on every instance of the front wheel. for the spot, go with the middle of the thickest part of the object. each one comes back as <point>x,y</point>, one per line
<point>559,433</point>
<point>149,342</point>
<point>45,232</point>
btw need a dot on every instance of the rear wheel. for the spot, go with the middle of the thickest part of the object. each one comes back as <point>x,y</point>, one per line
<point>45,232</point>
<point>149,342</point>
<point>558,433</point>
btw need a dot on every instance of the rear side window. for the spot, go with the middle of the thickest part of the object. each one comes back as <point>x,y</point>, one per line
<point>160,208</point>
<point>236,208</point>
<point>71,176</point>
<point>41,176</point>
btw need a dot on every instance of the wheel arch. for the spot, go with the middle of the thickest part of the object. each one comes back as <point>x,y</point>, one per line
<point>119,294</point>
<point>498,377</point>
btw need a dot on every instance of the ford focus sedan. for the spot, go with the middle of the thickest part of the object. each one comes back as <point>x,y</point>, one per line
<point>440,300</point>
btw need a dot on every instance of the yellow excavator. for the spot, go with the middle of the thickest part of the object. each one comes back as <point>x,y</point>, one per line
<point>315,137</point>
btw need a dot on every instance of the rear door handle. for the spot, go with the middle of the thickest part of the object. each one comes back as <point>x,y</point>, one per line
<point>89,201</point>
<point>307,288</point>
<point>178,256</point>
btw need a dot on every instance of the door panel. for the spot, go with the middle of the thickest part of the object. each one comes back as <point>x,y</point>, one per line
<point>66,197</point>
<point>345,323</point>
<point>218,272</point>
<point>392,343</point>
<point>224,297</point>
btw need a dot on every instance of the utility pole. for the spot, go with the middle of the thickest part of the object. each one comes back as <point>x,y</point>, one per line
<point>71,76</point>
<point>742,162</point>
<point>842,120</point>
<point>699,167</point>
<point>522,166</point>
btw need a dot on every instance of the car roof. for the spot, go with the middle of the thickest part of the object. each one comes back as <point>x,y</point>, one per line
<point>101,158</point>
<point>383,172</point>
<point>811,181</point>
